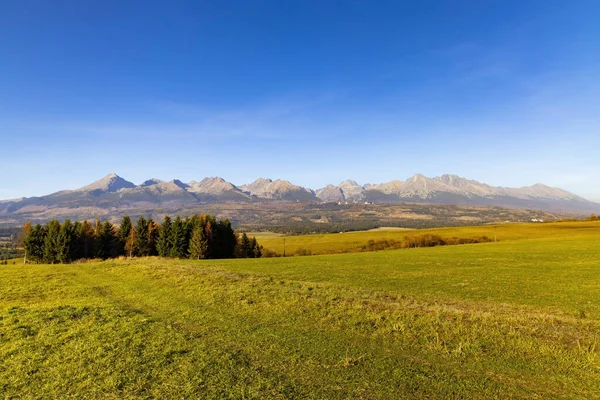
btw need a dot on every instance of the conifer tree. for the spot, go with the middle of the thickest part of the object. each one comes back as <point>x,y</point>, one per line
<point>76,249</point>
<point>198,244</point>
<point>152,237</point>
<point>256,248</point>
<point>97,227</point>
<point>178,242</point>
<point>208,234</point>
<point>34,243</point>
<point>194,221</point>
<point>163,242</point>
<point>64,242</point>
<point>224,240</point>
<point>51,242</point>
<point>141,237</point>
<point>85,239</point>
<point>245,247</point>
<point>123,235</point>
<point>106,241</point>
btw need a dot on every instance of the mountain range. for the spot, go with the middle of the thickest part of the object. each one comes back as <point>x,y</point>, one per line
<point>113,193</point>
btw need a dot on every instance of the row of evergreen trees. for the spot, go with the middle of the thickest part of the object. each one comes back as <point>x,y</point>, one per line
<point>196,237</point>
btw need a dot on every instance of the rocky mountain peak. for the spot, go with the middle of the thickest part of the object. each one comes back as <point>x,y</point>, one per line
<point>450,179</point>
<point>418,178</point>
<point>349,183</point>
<point>110,183</point>
<point>213,185</point>
<point>151,182</point>
<point>180,184</point>
<point>331,193</point>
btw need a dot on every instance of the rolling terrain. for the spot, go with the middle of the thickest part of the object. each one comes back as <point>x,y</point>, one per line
<point>514,319</point>
<point>345,242</point>
<point>113,196</point>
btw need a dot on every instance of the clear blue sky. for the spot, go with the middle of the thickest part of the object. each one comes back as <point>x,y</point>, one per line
<point>316,92</point>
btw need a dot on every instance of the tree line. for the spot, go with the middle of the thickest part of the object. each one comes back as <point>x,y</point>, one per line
<point>196,237</point>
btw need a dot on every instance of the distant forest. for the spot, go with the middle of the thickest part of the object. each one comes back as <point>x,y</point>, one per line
<point>195,237</point>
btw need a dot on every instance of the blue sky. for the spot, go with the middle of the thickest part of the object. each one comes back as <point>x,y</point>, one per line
<point>316,92</point>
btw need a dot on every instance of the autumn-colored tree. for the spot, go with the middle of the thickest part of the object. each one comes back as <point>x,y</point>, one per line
<point>130,242</point>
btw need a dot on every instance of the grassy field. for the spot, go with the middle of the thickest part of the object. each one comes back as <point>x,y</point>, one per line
<point>515,319</point>
<point>329,243</point>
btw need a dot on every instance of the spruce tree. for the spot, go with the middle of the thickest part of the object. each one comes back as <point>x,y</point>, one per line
<point>106,239</point>
<point>97,228</point>
<point>141,237</point>
<point>51,242</point>
<point>246,250</point>
<point>85,238</point>
<point>224,240</point>
<point>124,228</point>
<point>152,237</point>
<point>208,234</point>
<point>256,248</point>
<point>198,244</point>
<point>178,242</point>
<point>163,242</point>
<point>76,249</point>
<point>64,243</point>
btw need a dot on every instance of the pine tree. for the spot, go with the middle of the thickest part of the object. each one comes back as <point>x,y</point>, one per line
<point>85,239</point>
<point>51,242</point>
<point>224,240</point>
<point>208,234</point>
<point>141,237</point>
<point>178,242</point>
<point>152,237</point>
<point>123,235</point>
<point>96,237</point>
<point>198,244</point>
<point>163,242</point>
<point>246,250</point>
<point>256,248</point>
<point>106,241</point>
<point>64,243</point>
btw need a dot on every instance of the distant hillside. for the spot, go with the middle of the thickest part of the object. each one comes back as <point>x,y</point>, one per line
<point>113,195</point>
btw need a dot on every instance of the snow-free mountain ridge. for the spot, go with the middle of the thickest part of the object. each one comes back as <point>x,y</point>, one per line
<point>113,193</point>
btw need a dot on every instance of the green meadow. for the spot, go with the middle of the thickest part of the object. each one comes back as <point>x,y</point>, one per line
<point>519,318</point>
<point>343,242</point>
